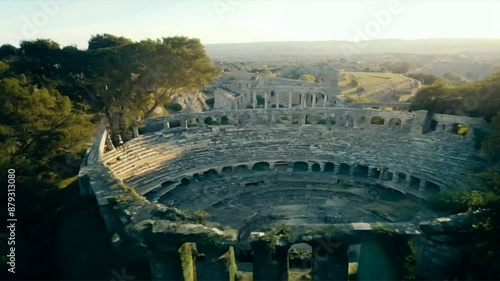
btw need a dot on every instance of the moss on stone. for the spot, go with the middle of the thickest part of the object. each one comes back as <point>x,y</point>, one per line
<point>187,262</point>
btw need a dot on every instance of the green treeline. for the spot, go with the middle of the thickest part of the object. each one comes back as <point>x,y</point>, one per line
<point>476,99</point>
<point>52,99</point>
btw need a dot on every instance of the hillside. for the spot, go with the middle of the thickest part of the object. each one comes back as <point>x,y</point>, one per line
<point>376,86</point>
<point>313,49</point>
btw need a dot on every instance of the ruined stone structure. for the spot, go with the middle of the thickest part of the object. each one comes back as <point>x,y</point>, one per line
<point>263,92</point>
<point>333,176</point>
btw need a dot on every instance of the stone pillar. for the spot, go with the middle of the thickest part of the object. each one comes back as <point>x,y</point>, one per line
<point>167,125</point>
<point>421,187</point>
<point>201,123</point>
<point>322,166</point>
<point>277,95</point>
<point>265,100</point>
<point>186,124</point>
<point>395,177</point>
<point>290,100</point>
<point>135,132</point>
<point>352,170</point>
<point>109,143</point>
<point>302,101</point>
<point>383,174</point>
<point>408,180</point>
<point>309,168</point>
<point>336,169</point>
<point>325,99</point>
<point>330,264</point>
<point>314,101</point>
<point>266,269</point>
<point>254,104</point>
<point>371,171</point>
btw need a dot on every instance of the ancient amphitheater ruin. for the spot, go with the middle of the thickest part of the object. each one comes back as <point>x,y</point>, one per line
<point>300,168</point>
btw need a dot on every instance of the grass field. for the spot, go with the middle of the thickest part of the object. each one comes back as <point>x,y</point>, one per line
<point>375,86</point>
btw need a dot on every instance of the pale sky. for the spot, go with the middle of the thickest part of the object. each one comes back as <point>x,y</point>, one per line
<point>230,21</point>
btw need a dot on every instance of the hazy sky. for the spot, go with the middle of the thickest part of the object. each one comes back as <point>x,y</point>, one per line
<point>227,21</point>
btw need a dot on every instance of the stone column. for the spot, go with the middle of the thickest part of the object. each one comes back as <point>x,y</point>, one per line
<point>265,100</point>
<point>109,143</point>
<point>352,170</point>
<point>408,180</point>
<point>201,123</point>
<point>314,100</point>
<point>383,174</point>
<point>395,177</point>
<point>254,100</point>
<point>264,268</point>
<point>302,101</point>
<point>325,99</point>
<point>277,94</point>
<point>322,166</point>
<point>186,124</point>
<point>167,125</point>
<point>330,264</point>
<point>421,187</point>
<point>336,169</point>
<point>290,100</point>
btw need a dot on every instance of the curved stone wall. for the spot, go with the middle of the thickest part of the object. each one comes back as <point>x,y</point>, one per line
<point>312,168</point>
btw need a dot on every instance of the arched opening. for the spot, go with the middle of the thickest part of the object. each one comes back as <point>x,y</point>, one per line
<point>185,181</point>
<point>209,121</point>
<point>224,120</point>
<point>300,261</point>
<point>260,101</point>
<point>401,177</point>
<point>210,174</point>
<point>196,177</point>
<point>242,169</point>
<point>434,124</point>
<point>344,169</point>
<point>329,167</point>
<point>414,182</point>
<point>432,187</point>
<point>361,171</point>
<point>167,184</point>
<point>300,167</point>
<point>281,166</point>
<point>395,122</point>
<point>260,167</point>
<point>272,93</point>
<point>316,168</point>
<point>377,120</point>
<point>332,119</point>
<point>175,123</point>
<point>375,173</point>
<point>322,120</point>
<point>227,170</point>
<point>307,120</point>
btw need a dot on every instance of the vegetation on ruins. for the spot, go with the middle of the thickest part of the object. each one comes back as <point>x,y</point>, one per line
<point>52,99</point>
<point>478,99</point>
